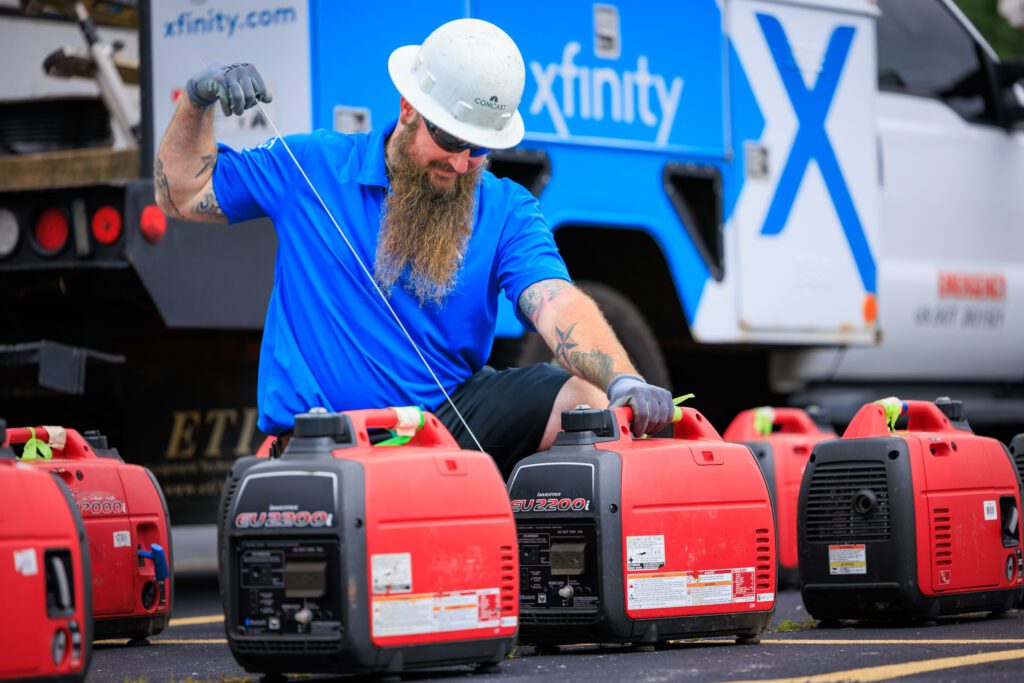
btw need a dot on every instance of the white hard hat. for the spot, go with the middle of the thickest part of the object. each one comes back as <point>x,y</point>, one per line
<point>467,79</point>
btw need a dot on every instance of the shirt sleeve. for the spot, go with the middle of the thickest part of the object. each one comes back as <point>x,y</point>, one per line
<point>528,253</point>
<point>253,182</point>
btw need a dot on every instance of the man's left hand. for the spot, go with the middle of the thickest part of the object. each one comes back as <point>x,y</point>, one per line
<point>652,406</point>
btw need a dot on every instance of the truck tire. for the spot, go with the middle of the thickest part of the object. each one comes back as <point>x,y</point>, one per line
<point>630,326</point>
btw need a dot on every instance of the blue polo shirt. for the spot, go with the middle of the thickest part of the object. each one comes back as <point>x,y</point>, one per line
<point>328,339</point>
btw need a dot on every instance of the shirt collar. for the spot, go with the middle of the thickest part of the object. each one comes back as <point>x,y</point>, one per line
<point>374,171</point>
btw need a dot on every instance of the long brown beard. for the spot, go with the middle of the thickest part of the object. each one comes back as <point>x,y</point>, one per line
<point>423,227</point>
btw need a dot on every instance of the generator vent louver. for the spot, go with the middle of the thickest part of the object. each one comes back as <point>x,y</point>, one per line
<point>546,619</point>
<point>765,561</point>
<point>1019,460</point>
<point>281,646</point>
<point>229,495</point>
<point>508,579</point>
<point>942,532</point>
<point>831,515</point>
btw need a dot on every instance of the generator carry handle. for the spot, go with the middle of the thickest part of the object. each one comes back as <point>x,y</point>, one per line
<point>431,433</point>
<point>757,423</point>
<point>873,420</point>
<point>69,442</point>
<point>688,423</point>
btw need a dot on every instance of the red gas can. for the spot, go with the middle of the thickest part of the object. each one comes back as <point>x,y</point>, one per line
<point>782,440</point>
<point>44,577</point>
<point>642,540</point>
<point>126,521</point>
<point>342,556</point>
<point>913,523</point>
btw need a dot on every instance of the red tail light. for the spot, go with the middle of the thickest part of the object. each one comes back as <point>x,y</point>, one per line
<point>106,225</point>
<point>51,231</point>
<point>153,224</point>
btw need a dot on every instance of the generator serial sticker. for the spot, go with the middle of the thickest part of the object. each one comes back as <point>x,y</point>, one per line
<point>645,552</point>
<point>122,539</point>
<point>392,573</point>
<point>690,589</point>
<point>991,511</point>
<point>408,615</point>
<point>847,559</point>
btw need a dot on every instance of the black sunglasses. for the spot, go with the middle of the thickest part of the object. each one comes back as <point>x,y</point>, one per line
<point>452,144</point>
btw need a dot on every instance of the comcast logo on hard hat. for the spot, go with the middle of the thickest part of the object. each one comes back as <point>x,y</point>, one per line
<point>492,103</point>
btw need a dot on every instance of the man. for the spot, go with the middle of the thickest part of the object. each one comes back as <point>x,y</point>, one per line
<point>441,235</point>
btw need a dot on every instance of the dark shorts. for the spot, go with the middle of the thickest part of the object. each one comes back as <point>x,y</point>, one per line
<point>506,409</point>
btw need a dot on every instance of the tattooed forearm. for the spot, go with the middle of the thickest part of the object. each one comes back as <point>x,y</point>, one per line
<point>209,162</point>
<point>565,344</point>
<point>537,296</point>
<point>163,188</point>
<point>596,366</point>
<point>209,207</point>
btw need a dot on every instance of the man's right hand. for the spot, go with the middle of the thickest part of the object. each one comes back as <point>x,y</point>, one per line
<point>237,86</point>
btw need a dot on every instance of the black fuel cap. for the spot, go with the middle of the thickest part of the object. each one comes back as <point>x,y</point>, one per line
<point>952,409</point>
<point>584,419</point>
<point>319,422</point>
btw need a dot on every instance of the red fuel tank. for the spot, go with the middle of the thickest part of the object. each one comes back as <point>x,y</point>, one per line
<point>642,540</point>
<point>782,440</point>
<point>910,523</point>
<point>127,524</point>
<point>342,556</point>
<point>44,577</point>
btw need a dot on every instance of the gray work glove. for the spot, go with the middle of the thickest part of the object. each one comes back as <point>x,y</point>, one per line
<point>237,86</point>
<point>652,406</point>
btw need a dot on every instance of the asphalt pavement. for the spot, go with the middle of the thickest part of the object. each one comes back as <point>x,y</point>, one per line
<point>974,647</point>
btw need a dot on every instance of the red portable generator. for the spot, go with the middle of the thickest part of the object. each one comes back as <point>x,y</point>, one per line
<point>642,540</point>
<point>782,440</point>
<point>340,556</point>
<point>909,524</point>
<point>126,521</point>
<point>44,577</point>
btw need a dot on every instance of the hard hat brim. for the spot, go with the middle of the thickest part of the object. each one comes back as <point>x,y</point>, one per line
<point>400,66</point>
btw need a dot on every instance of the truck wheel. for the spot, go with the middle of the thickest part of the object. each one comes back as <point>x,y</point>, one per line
<point>630,326</point>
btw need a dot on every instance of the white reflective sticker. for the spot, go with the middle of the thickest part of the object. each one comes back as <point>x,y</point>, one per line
<point>122,539</point>
<point>991,511</point>
<point>509,621</point>
<point>25,562</point>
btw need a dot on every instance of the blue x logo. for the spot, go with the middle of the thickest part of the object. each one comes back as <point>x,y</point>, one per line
<point>811,142</point>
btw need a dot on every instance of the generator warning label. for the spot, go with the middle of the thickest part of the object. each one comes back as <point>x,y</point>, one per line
<point>391,572</point>
<point>408,615</point>
<point>645,552</point>
<point>847,559</point>
<point>690,589</point>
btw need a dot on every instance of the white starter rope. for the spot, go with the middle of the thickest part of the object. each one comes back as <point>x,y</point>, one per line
<point>369,276</point>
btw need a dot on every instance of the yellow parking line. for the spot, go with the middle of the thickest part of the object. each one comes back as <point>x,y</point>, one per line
<point>192,621</point>
<point>889,671</point>
<point>169,641</point>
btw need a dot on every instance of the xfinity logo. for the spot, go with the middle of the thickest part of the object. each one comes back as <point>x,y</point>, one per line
<point>593,93</point>
<point>492,103</point>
